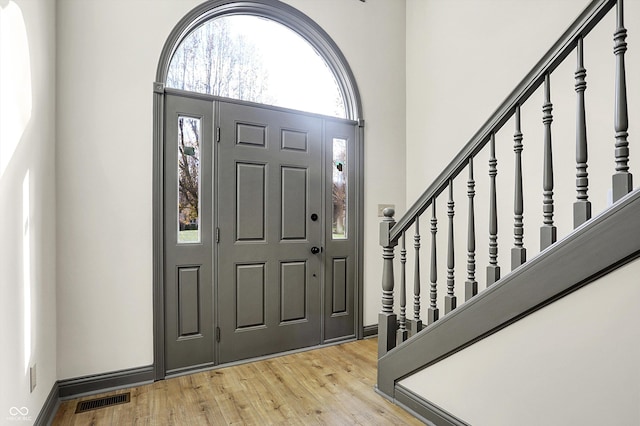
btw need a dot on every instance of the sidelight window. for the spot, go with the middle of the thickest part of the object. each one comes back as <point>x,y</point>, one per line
<point>339,189</point>
<point>189,172</point>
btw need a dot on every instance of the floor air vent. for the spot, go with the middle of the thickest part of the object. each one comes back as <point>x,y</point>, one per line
<point>107,401</point>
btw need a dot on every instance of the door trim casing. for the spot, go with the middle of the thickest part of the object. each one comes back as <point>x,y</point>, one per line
<point>329,51</point>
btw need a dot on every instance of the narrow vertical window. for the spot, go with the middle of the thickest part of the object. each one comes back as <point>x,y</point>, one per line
<point>339,189</point>
<point>188,179</point>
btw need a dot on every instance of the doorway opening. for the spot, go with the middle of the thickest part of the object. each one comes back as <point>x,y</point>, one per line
<point>258,185</point>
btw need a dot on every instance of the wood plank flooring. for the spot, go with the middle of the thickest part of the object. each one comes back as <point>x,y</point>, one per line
<point>328,386</point>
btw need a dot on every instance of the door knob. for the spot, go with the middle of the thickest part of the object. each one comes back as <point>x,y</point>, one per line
<point>316,250</point>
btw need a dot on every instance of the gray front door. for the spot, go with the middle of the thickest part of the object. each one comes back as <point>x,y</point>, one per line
<point>270,195</point>
<point>260,254</point>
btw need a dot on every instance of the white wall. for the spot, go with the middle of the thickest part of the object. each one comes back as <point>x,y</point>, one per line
<point>572,362</point>
<point>108,52</point>
<point>27,206</point>
<point>372,37</point>
<point>463,58</point>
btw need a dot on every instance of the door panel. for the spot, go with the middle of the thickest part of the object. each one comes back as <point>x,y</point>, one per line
<point>250,201</point>
<point>188,301</point>
<point>250,295</point>
<point>339,285</point>
<point>293,291</point>
<point>340,266</point>
<point>269,283</point>
<point>293,211</point>
<point>188,233</point>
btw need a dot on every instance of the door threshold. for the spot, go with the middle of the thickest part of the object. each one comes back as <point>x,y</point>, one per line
<point>211,367</point>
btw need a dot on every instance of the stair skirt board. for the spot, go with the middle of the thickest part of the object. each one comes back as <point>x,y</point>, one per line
<point>599,246</point>
<point>424,410</point>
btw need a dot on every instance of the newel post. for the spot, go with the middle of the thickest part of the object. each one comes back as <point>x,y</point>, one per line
<point>387,321</point>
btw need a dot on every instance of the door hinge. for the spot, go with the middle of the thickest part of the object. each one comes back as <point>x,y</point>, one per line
<point>217,235</point>
<point>218,334</point>
<point>217,134</point>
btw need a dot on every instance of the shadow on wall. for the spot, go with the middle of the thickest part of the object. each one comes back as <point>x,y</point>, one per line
<point>15,80</point>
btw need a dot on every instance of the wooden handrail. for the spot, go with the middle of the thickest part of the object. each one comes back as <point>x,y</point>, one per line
<point>585,22</point>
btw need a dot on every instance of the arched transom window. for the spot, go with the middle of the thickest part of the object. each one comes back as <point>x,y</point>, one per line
<point>256,59</point>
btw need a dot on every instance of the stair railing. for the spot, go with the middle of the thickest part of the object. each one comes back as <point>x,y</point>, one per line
<point>392,329</point>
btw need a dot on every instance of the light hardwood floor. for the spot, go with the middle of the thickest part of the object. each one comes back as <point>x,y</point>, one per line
<point>330,386</point>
